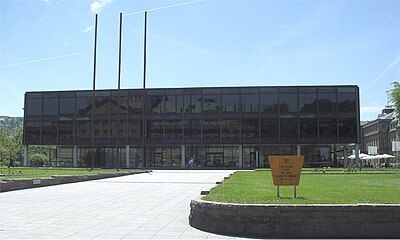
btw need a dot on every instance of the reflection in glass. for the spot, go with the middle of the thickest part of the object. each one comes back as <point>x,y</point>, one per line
<point>154,129</point>
<point>173,129</point>
<point>250,103</point>
<point>249,128</point>
<point>288,128</point>
<point>83,129</point>
<point>230,103</point>
<point>347,128</point>
<point>33,129</point>
<point>123,105</point>
<point>328,128</point>
<point>102,105</point>
<point>211,129</point>
<point>84,106</point>
<point>50,107</point>
<point>231,129</point>
<point>34,107</point>
<point>135,105</point>
<point>308,102</point>
<point>211,103</point>
<point>66,130</point>
<point>195,104</point>
<point>154,104</point>
<point>288,102</point>
<point>170,104</point>
<point>135,129</point>
<point>347,102</point>
<point>67,106</point>
<point>192,129</point>
<point>308,128</point>
<point>269,128</point>
<point>50,130</point>
<point>327,102</point>
<point>269,103</point>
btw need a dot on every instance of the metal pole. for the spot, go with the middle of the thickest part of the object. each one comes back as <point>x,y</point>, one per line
<point>94,90</point>
<point>144,90</point>
<point>294,191</point>
<point>277,191</point>
<point>119,85</point>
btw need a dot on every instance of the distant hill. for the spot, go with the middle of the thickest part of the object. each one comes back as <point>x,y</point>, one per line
<point>10,123</point>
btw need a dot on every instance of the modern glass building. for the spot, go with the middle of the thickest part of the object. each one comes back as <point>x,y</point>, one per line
<point>221,127</point>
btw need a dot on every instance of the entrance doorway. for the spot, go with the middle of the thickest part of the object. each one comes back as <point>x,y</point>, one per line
<point>215,159</point>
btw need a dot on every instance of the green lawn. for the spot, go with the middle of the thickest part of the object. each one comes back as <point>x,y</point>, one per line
<point>257,187</point>
<point>27,172</point>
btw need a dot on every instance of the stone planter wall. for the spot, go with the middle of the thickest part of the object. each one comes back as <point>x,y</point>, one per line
<point>296,221</point>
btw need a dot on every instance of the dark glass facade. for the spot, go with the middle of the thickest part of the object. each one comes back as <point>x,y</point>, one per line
<point>218,126</point>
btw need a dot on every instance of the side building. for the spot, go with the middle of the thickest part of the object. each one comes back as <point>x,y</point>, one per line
<point>226,127</point>
<point>381,133</point>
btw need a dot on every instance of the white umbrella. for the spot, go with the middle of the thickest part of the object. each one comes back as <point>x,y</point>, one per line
<point>385,156</point>
<point>361,156</point>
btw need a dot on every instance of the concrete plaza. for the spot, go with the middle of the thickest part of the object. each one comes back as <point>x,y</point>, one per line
<point>143,206</point>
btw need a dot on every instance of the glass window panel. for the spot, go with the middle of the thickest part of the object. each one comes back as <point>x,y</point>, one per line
<point>308,102</point>
<point>33,129</point>
<point>328,128</point>
<point>50,106</point>
<point>192,129</point>
<point>269,103</point>
<point>122,108</point>
<point>347,128</point>
<point>250,102</point>
<point>155,129</point>
<point>230,128</point>
<point>308,128</point>
<point>187,107</point>
<point>195,104</point>
<point>173,129</point>
<point>347,102</point>
<point>84,105</point>
<point>67,106</point>
<point>170,104</point>
<point>135,105</point>
<point>211,129</point>
<point>102,129</point>
<point>83,129</point>
<point>230,103</point>
<point>66,130</point>
<point>102,105</point>
<point>135,129</point>
<point>346,89</point>
<point>34,107</point>
<point>288,103</point>
<point>179,104</point>
<point>269,128</point>
<point>288,128</point>
<point>211,103</point>
<point>50,130</point>
<point>117,129</point>
<point>154,104</point>
<point>327,102</point>
<point>249,128</point>
<point>33,95</point>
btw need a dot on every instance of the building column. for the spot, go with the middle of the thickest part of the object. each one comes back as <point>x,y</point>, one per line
<point>25,163</point>
<point>127,156</point>
<point>257,159</point>
<point>298,150</point>
<point>240,156</point>
<point>75,156</point>
<point>183,154</point>
<point>345,156</point>
<point>358,155</point>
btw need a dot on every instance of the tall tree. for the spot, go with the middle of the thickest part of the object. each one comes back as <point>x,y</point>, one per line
<point>394,96</point>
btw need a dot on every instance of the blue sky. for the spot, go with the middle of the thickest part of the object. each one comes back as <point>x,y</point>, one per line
<point>48,45</point>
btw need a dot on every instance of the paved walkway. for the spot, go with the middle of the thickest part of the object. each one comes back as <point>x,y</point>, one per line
<point>142,206</point>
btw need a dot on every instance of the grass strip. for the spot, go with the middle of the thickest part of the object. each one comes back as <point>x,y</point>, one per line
<point>256,187</point>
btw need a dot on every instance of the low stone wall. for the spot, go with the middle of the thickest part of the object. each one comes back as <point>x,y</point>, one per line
<point>17,184</point>
<point>297,221</point>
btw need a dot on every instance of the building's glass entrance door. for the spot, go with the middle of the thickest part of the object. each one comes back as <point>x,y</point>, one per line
<point>215,159</point>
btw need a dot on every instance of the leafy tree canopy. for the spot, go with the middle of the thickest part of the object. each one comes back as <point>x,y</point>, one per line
<point>394,96</point>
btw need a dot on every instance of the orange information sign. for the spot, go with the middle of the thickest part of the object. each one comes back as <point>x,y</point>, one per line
<point>286,170</point>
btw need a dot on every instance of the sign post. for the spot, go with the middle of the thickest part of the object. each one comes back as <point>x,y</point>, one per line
<point>286,171</point>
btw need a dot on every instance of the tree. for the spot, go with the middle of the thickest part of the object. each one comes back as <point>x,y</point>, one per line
<point>394,96</point>
<point>10,144</point>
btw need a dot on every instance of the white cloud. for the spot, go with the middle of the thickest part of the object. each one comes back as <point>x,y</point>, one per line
<point>371,109</point>
<point>88,29</point>
<point>96,6</point>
